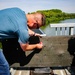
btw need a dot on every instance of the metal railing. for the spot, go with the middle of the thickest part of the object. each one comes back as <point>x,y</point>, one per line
<point>63,28</point>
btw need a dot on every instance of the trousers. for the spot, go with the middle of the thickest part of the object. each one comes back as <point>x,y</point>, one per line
<point>4,66</point>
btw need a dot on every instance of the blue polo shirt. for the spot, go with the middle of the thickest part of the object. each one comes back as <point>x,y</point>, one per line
<point>13,24</point>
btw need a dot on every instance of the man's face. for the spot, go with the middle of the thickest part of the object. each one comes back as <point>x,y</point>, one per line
<point>35,21</point>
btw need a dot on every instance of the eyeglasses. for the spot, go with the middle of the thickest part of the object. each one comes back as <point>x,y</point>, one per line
<point>37,24</point>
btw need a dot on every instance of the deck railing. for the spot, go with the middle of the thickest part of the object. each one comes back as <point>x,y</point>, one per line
<point>63,28</point>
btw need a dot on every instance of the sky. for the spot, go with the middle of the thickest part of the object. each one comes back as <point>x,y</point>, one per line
<point>67,6</point>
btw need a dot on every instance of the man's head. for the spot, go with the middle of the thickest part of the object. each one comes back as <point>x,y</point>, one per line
<point>35,20</point>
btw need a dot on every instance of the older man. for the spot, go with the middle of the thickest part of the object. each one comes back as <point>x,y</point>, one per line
<point>14,23</point>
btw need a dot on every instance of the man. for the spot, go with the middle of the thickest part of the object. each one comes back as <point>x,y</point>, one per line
<point>14,23</point>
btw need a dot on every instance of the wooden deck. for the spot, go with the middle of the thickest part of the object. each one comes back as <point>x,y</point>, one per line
<point>58,53</point>
<point>43,71</point>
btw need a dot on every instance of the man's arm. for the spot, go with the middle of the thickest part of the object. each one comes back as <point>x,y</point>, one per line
<point>28,47</point>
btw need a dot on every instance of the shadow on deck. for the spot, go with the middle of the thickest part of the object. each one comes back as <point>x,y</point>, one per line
<point>14,53</point>
<point>57,51</point>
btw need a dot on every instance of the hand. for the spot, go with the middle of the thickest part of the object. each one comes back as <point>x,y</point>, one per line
<point>40,45</point>
<point>36,34</point>
<point>31,33</point>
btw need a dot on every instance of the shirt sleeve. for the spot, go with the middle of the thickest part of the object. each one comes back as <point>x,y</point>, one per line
<point>23,36</point>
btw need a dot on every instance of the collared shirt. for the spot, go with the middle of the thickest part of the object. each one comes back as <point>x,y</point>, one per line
<point>13,24</point>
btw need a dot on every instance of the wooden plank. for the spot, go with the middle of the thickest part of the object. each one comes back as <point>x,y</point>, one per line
<point>33,73</point>
<point>20,72</point>
<point>58,31</point>
<point>74,31</point>
<point>25,72</point>
<point>63,31</point>
<point>67,72</point>
<point>59,72</point>
<point>42,70</point>
<point>57,51</point>
<point>67,30</point>
<point>53,32</point>
<point>12,71</point>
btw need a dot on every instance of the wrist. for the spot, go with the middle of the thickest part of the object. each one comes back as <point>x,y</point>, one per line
<point>36,45</point>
